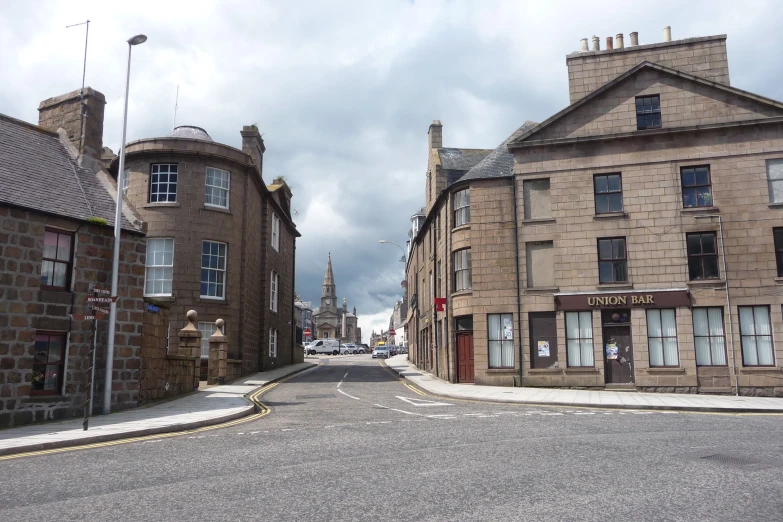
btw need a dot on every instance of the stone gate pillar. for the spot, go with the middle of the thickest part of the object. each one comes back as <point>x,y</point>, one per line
<point>218,355</point>
<point>190,345</point>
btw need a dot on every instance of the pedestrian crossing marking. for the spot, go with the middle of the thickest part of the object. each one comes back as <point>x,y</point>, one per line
<point>422,402</point>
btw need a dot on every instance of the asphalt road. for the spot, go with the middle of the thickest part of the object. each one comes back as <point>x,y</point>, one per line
<point>348,441</point>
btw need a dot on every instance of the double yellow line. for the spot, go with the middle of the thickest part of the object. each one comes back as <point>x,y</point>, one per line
<point>262,411</point>
<point>399,378</point>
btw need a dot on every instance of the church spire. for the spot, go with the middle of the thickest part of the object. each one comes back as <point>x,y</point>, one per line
<point>329,276</point>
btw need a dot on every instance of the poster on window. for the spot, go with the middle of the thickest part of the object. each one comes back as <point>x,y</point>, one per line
<point>612,351</point>
<point>543,348</point>
<point>508,332</point>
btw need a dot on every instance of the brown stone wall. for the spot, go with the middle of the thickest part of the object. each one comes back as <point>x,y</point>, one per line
<point>704,57</point>
<point>25,309</point>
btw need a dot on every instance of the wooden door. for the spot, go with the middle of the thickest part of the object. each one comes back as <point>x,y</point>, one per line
<point>465,370</point>
<point>618,354</point>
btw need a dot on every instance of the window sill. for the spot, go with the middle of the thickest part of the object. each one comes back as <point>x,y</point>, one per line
<point>546,371</point>
<point>466,226</point>
<point>207,299</point>
<point>162,298</point>
<point>665,370</point>
<point>696,210</point>
<point>576,369</point>
<point>611,215</point>
<point>161,205</point>
<point>610,286</point>
<point>216,209</point>
<point>775,205</point>
<point>45,399</point>
<point>707,282</point>
<point>543,289</point>
<point>760,369</point>
<point>779,280</point>
<point>462,292</point>
<point>502,370</point>
<point>538,221</point>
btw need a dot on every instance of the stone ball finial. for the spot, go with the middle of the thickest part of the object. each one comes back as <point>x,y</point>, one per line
<point>192,316</point>
<point>220,323</point>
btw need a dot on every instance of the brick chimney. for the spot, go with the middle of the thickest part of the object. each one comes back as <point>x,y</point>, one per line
<point>253,145</point>
<point>435,135</point>
<point>65,112</point>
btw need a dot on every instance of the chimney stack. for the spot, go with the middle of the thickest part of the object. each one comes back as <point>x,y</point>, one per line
<point>584,46</point>
<point>634,39</point>
<point>667,33</point>
<point>596,43</point>
<point>65,112</point>
<point>435,135</point>
<point>619,41</point>
<point>609,43</point>
<point>253,145</point>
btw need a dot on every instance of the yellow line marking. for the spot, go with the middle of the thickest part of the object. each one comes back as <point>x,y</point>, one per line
<point>264,411</point>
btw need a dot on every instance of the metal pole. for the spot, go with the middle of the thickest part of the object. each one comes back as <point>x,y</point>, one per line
<point>116,258</point>
<point>728,304</point>
<point>88,402</point>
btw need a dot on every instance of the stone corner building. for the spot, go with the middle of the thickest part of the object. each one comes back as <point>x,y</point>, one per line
<point>56,235</point>
<point>219,241</point>
<point>634,240</point>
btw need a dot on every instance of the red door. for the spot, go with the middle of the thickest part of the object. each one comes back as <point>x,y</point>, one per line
<point>465,357</point>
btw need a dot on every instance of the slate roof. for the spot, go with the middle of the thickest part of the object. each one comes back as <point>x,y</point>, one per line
<point>38,172</point>
<point>500,162</point>
<point>461,159</point>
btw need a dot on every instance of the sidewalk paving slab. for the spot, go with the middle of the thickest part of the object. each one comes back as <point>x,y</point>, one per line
<point>584,398</point>
<point>205,407</point>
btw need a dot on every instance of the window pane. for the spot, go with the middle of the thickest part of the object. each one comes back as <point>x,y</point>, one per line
<point>605,272</point>
<point>493,327</point>
<point>601,184</point>
<point>601,203</point>
<point>776,191</point>
<point>700,324</point>
<point>702,176</point>
<point>60,274</point>
<point>615,203</point>
<point>764,347</point>
<point>694,244</point>
<point>41,348</point>
<point>746,320</point>
<point>715,316</point>
<point>704,195</point>
<point>703,352</point>
<point>689,197</point>
<point>620,271</point>
<point>572,325</point>
<point>47,273</point>
<point>711,267</point>
<point>618,248</point>
<point>749,357</point>
<point>614,182</point>
<point>587,352</point>
<point>50,245</point>
<point>654,328</point>
<point>51,378</point>
<point>604,249</point>
<point>64,247</point>
<point>670,352</point>
<point>586,325</point>
<point>718,351</point>
<point>656,351</point>
<point>55,348</point>
<point>574,352</point>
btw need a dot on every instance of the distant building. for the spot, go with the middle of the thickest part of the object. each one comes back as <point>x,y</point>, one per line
<point>304,320</point>
<point>331,321</point>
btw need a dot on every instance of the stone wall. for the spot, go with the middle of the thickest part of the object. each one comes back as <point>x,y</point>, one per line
<point>26,309</point>
<point>164,372</point>
<point>64,112</point>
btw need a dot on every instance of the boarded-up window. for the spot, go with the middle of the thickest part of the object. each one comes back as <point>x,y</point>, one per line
<point>543,339</point>
<point>540,264</point>
<point>537,200</point>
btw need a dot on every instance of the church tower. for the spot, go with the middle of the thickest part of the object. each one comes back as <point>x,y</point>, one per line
<point>329,289</point>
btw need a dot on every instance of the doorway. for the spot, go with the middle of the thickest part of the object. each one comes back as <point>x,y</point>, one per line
<point>618,349</point>
<point>465,370</point>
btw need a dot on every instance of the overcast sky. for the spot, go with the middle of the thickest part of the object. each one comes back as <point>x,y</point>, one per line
<point>344,92</point>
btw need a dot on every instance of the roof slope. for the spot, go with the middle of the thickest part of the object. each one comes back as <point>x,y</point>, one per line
<point>500,162</point>
<point>528,138</point>
<point>38,172</point>
<point>461,159</point>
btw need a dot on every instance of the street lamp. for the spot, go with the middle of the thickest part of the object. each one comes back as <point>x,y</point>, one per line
<point>404,254</point>
<point>136,40</point>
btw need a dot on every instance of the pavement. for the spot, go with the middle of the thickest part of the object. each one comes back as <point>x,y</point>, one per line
<point>205,407</point>
<point>584,398</point>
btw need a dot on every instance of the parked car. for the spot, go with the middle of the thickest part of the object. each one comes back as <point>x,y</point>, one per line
<point>363,348</point>
<point>380,351</point>
<point>403,349</point>
<point>331,346</point>
<point>349,348</point>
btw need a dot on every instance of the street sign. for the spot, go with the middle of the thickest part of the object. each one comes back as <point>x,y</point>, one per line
<point>105,300</point>
<point>83,317</point>
<point>102,291</point>
<point>306,332</point>
<point>100,310</point>
<point>392,332</point>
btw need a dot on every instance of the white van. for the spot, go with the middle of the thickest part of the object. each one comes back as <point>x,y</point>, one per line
<point>331,346</point>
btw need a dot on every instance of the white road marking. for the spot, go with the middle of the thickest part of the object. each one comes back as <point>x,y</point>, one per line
<point>401,411</point>
<point>347,395</point>
<point>422,402</point>
<point>344,376</point>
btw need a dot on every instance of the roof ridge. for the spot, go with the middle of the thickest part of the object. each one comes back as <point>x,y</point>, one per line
<point>27,124</point>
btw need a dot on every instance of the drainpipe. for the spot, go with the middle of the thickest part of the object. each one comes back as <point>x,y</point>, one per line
<point>728,299</point>
<point>446,285</point>
<point>519,285</point>
<point>293,299</point>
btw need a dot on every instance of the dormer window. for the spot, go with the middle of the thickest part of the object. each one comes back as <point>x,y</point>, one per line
<point>648,112</point>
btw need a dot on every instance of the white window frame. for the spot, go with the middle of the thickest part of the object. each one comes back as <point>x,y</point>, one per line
<point>273,290</point>
<point>462,207</point>
<point>273,343</point>
<point>207,328</point>
<point>125,176</point>
<point>275,232</point>
<point>580,351</point>
<point>463,277</point>
<point>215,191</point>
<point>220,272</point>
<point>660,357</point>
<point>163,196</point>
<point>775,179</point>
<point>159,263</point>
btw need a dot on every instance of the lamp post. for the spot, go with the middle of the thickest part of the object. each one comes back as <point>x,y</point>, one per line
<point>136,40</point>
<point>404,253</point>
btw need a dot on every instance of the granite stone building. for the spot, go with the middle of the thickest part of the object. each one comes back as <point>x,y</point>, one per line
<point>219,241</point>
<point>56,238</point>
<point>330,320</point>
<point>633,240</point>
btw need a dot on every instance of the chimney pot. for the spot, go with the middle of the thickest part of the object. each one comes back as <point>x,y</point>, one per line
<point>585,48</point>
<point>609,43</point>
<point>667,33</point>
<point>596,43</point>
<point>634,39</point>
<point>619,41</point>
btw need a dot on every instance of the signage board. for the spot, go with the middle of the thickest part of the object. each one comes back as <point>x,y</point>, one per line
<point>102,291</point>
<point>104,300</point>
<point>100,310</point>
<point>643,299</point>
<point>152,308</point>
<point>392,332</point>
<point>307,332</point>
<point>83,317</point>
